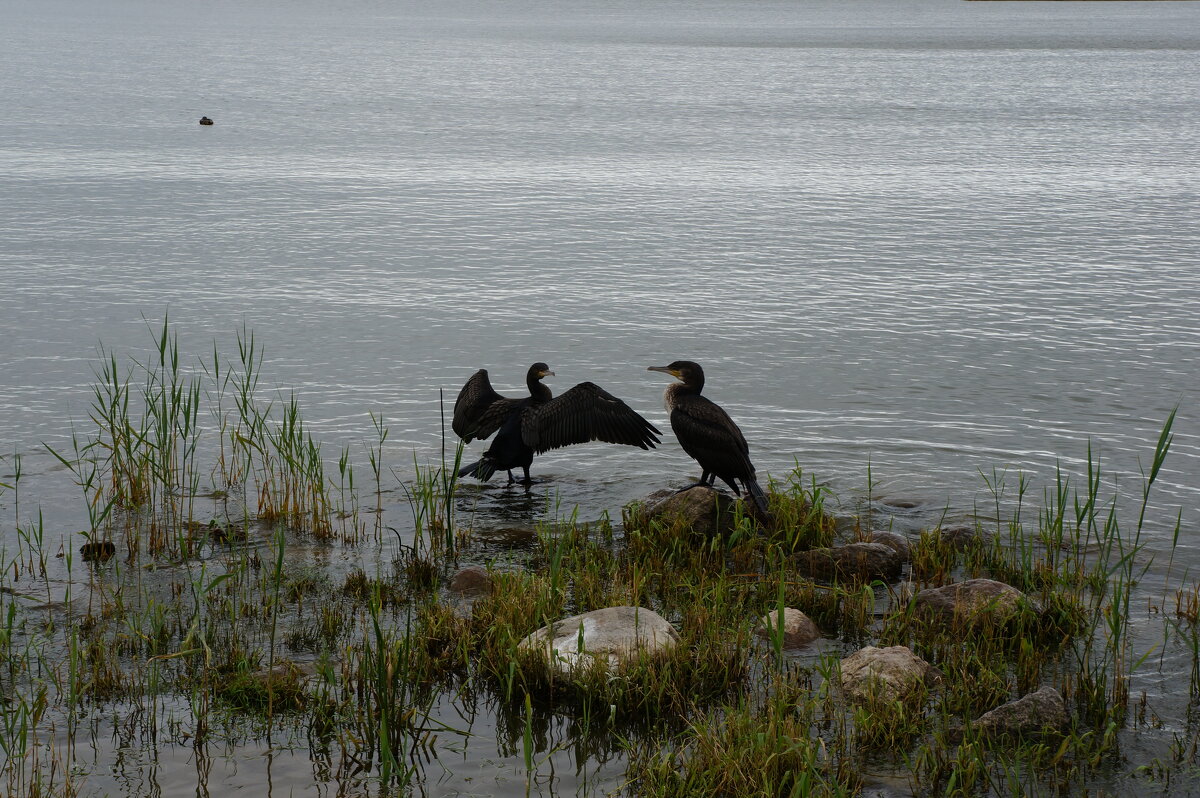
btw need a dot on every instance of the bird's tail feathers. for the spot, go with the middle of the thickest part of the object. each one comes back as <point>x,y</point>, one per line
<point>482,469</point>
<point>760,498</point>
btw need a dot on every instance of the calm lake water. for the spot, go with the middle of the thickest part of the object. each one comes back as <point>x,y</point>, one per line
<point>925,238</point>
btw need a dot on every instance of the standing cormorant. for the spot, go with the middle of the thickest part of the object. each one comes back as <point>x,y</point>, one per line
<point>540,422</point>
<point>707,433</point>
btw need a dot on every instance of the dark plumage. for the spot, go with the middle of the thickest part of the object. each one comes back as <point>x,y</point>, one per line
<point>707,433</point>
<point>540,422</point>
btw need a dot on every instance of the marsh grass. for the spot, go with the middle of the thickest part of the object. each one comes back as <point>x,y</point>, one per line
<point>751,747</point>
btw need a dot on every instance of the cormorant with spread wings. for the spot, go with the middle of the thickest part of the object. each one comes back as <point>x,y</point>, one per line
<point>540,422</point>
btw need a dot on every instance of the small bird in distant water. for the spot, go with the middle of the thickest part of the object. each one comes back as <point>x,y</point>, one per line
<point>204,120</point>
<point>707,433</point>
<point>540,422</point>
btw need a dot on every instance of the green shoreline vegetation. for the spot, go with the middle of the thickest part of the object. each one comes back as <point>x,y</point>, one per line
<point>194,613</point>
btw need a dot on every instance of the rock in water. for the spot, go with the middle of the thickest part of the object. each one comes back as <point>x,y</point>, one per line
<point>885,674</point>
<point>798,629</point>
<point>471,581</point>
<point>960,537</point>
<point>612,635</point>
<point>862,561</point>
<point>1036,713</point>
<point>705,511</point>
<point>971,601</point>
<point>97,552</point>
<point>897,543</point>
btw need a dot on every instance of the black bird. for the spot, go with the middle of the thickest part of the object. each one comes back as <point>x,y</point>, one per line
<point>540,422</point>
<point>707,433</point>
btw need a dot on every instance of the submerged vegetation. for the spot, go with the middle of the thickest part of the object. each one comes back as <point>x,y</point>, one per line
<point>237,585</point>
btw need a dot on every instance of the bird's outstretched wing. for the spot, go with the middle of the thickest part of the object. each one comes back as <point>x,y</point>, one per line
<point>585,413</point>
<point>479,410</point>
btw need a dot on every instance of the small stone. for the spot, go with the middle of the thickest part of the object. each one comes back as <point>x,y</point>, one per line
<point>1034,714</point>
<point>970,601</point>
<point>473,579</point>
<point>98,551</point>
<point>863,561</point>
<point>798,629</point>
<point>611,635</point>
<point>889,674</point>
<point>703,510</point>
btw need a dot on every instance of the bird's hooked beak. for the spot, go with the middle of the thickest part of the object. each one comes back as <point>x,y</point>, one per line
<point>666,370</point>
<point>545,374</point>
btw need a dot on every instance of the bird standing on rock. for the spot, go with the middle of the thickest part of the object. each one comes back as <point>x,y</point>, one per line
<point>540,422</point>
<point>708,434</point>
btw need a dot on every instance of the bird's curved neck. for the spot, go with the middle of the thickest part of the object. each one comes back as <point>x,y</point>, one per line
<point>676,390</point>
<point>692,385</point>
<point>537,391</point>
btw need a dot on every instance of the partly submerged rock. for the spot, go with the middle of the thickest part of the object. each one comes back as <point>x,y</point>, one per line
<point>612,635</point>
<point>509,536</point>
<point>98,551</point>
<point>1037,713</point>
<point>959,537</point>
<point>896,542</point>
<point>885,674</point>
<point>900,503</point>
<point>971,601</point>
<point>472,580</point>
<point>863,561</point>
<point>705,511</point>
<point>798,629</point>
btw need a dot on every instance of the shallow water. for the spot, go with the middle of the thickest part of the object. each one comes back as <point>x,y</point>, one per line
<point>920,238</point>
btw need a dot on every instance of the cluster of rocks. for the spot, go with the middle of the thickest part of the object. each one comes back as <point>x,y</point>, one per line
<point>608,637</point>
<point>895,673</point>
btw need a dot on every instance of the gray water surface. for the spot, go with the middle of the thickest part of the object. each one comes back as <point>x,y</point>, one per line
<point>924,237</point>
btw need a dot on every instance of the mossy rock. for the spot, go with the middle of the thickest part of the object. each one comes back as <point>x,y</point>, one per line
<point>704,511</point>
<point>863,562</point>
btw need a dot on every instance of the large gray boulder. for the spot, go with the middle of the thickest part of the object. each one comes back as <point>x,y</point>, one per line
<point>971,601</point>
<point>856,561</point>
<point>611,636</point>
<point>798,629</point>
<point>1037,713</point>
<point>703,510</point>
<point>894,673</point>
